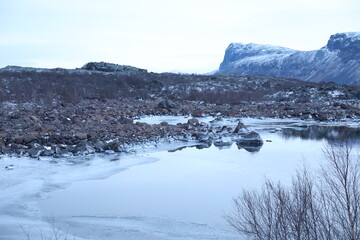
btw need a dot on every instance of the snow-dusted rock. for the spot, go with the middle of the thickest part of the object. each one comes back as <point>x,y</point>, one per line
<point>251,139</point>
<point>338,61</point>
<point>83,149</point>
<point>241,128</point>
<point>111,67</point>
<point>223,142</point>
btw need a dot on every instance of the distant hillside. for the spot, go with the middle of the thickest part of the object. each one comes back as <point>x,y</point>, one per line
<point>110,81</point>
<point>338,61</point>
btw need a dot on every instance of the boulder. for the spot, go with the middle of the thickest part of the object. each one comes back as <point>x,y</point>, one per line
<point>62,151</point>
<point>18,139</point>
<point>250,139</point>
<point>99,146</point>
<point>16,147</point>
<point>241,128</point>
<point>202,137</point>
<point>83,148</point>
<point>166,104</point>
<point>36,152</point>
<point>81,136</point>
<point>199,113</point>
<point>125,120</point>
<point>115,146</point>
<point>193,122</point>
<point>29,138</point>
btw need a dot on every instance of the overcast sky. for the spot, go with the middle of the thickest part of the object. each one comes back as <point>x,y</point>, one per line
<point>162,35</point>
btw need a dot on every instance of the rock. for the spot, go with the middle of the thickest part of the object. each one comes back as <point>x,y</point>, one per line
<point>347,45</point>
<point>217,119</point>
<point>241,128</point>
<point>29,138</point>
<point>198,113</point>
<point>81,136</point>
<point>34,118</point>
<point>164,124</point>
<point>9,167</point>
<point>193,122</point>
<point>111,67</point>
<point>178,149</point>
<point>36,152</point>
<point>64,151</point>
<point>124,120</point>
<point>14,115</point>
<point>83,148</point>
<point>18,139</point>
<point>5,150</point>
<point>114,146</point>
<point>204,145</point>
<point>166,104</point>
<point>321,117</point>
<point>225,129</point>
<point>99,146</point>
<point>250,139</point>
<point>202,137</point>
<point>3,135</point>
<point>16,147</point>
<point>47,153</point>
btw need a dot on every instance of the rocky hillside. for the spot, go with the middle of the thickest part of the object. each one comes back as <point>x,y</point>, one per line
<point>110,81</point>
<point>338,61</point>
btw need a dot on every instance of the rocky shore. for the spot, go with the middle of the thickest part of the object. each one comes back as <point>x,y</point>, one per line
<point>104,126</point>
<point>110,126</point>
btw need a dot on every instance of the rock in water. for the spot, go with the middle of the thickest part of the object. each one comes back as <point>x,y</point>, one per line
<point>83,148</point>
<point>250,139</point>
<point>241,128</point>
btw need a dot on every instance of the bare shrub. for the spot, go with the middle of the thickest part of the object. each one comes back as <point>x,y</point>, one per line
<point>57,233</point>
<point>304,210</point>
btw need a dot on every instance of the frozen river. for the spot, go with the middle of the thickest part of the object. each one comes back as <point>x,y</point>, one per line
<point>153,193</point>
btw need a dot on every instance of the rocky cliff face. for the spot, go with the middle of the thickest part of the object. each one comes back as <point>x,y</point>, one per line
<point>338,61</point>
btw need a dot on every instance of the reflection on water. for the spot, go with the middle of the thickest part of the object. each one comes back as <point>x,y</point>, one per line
<point>249,148</point>
<point>240,145</point>
<point>331,134</point>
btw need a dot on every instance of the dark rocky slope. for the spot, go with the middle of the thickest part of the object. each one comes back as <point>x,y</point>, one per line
<point>338,61</point>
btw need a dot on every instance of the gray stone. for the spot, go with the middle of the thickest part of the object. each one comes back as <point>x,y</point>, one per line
<point>35,152</point>
<point>83,149</point>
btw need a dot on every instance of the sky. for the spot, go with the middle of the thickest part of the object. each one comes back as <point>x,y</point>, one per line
<point>188,36</point>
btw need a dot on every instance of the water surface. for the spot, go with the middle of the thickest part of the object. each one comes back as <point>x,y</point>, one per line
<point>185,194</point>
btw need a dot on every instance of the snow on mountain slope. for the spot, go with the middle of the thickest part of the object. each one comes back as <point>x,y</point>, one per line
<point>338,61</point>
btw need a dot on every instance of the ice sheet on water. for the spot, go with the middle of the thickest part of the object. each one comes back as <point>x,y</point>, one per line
<point>31,179</point>
<point>139,228</point>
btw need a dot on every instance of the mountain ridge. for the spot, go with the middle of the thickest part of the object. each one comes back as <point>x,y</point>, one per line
<point>338,61</point>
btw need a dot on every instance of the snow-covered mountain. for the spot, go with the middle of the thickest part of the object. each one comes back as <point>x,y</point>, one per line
<point>338,61</point>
